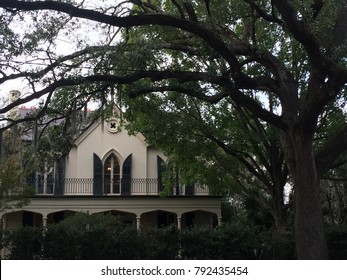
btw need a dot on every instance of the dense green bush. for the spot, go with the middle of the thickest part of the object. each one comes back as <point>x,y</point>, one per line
<point>276,245</point>
<point>230,241</point>
<point>61,242</point>
<point>86,237</point>
<point>159,243</point>
<point>101,237</point>
<point>198,243</point>
<point>240,241</point>
<point>24,243</point>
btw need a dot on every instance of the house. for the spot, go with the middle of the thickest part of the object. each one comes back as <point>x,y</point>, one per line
<point>109,171</point>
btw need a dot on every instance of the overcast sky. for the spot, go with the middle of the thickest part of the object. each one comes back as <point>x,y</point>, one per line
<point>65,45</point>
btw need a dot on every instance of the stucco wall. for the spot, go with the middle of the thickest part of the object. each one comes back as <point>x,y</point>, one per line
<point>152,154</point>
<point>99,140</point>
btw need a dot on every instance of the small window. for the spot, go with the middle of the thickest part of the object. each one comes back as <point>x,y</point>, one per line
<point>28,218</point>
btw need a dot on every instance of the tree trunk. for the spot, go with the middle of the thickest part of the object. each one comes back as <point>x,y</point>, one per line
<point>309,228</point>
<point>279,212</point>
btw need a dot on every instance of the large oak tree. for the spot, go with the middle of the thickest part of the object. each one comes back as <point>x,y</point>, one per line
<point>291,52</point>
<point>219,145</point>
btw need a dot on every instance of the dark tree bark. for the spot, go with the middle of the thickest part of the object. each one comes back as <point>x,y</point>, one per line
<point>309,228</point>
<point>280,209</point>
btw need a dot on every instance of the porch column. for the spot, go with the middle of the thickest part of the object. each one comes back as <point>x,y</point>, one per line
<point>219,221</point>
<point>44,222</point>
<point>138,222</point>
<point>179,222</point>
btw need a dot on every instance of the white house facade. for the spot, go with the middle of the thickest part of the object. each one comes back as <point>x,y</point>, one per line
<point>110,171</point>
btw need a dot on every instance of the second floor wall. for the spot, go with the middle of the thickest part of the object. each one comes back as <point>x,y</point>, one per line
<point>107,161</point>
<point>112,151</point>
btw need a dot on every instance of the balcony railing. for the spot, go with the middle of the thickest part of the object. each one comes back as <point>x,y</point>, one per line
<point>123,187</point>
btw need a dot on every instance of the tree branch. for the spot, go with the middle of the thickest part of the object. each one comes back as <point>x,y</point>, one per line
<point>180,76</point>
<point>129,21</point>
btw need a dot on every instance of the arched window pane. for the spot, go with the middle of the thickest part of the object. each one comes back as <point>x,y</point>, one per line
<point>111,175</point>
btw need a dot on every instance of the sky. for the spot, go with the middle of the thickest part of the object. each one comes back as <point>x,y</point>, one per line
<point>66,44</point>
<point>63,47</point>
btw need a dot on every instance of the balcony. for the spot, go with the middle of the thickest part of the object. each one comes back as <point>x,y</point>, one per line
<point>123,187</point>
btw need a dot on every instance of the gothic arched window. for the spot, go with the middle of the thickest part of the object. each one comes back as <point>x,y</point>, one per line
<point>112,175</point>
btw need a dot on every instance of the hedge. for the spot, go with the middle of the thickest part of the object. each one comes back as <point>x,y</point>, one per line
<point>104,237</point>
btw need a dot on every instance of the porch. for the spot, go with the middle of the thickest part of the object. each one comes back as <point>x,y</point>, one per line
<point>141,211</point>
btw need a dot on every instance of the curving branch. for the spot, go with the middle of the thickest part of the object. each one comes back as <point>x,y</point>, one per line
<point>130,21</point>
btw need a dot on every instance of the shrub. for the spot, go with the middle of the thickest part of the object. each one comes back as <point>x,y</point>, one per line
<point>337,242</point>
<point>199,243</point>
<point>231,241</point>
<point>84,236</point>
<point>104,237</point>
<point>24,243</point>
<point>239,241</point>
<point>61,243</point>
<point>159,243</point>
<point>277,245</point>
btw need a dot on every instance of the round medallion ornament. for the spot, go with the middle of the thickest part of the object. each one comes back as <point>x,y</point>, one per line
<point>112,126</point>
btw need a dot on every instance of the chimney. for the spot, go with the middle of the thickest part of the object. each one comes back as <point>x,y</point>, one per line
<point>12,97</point>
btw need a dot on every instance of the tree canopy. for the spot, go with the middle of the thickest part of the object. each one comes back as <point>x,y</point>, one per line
<point>283,62</point>
<point>16,165</point>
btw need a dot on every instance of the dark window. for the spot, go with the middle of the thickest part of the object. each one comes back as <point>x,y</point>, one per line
<point>59,177</point>
<point>162,219</point>
<point>58,217</point>
<point>165,219</point>
<point>28,218</point>
<point>112,175</point>
<point>97,176</point>
<point>190,216</point>
<point>126,176</point>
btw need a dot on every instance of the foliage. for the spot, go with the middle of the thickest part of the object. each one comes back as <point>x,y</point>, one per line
<point>15,191</point>
<point>201,244</point>
<point>216,145</point>
<point>84,236</point>
<point>104,237</point>
<point>334,199</point>
<point>159,243</point>
<point>61,243</point>
<point>337,242</point>
<point>15,168</point>
<point>277,245</point>
<point>24,243</point>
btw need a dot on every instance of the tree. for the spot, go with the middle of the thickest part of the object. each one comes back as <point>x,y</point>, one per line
<point>15,168</point>
<point>15,192</point>
<point>290,51</point>
<point>216,145</point>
